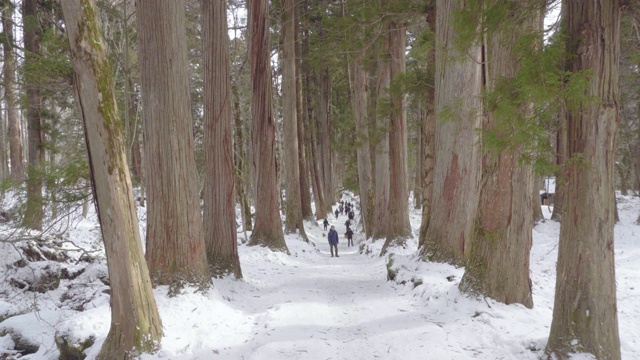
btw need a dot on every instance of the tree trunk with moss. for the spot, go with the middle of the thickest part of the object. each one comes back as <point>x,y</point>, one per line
<point>13,118</point>
<point>268,226</point>
<point>458,109</point>
<point>34,211</point>
<point>219,196</point>
<point>239,160</point>
<point>135,323</point>
<point>585,315</point>
<point>175,240</point>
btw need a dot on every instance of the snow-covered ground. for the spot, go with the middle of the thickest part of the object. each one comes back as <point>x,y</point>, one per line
<point>308,305</point>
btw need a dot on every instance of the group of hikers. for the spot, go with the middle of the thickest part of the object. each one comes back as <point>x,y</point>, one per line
<point>347,208</point>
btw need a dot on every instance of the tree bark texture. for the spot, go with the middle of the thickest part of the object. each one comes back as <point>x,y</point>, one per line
<point>135,322</point>
<point>561,158</point>
<point>457,143</point>
<point>312,135</point>
<point>324,137</point>
<point>498,264</point>
<point>305,192</point>
<point>381,166</point>
<point>585,315</point>
<point>13,118</point>
<point>429,129</point>
<point>360,94</point>
<point>293,208</point>
<point>268,225</point>
<point>175,241</point>
<point>34,212</point>
<point>240,156</point>
<point>219,197</point>
<point>398,226</point>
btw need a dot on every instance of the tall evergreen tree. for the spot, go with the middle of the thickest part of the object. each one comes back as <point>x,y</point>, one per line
<point>34,212</point>
<point>13,118</point>
<point>398,226</point>
<point>135,322</point>
<point>458,111</point>
<point>268,226</point>
<point>175,241</point>
<point>293,208</point>
<point>585,315</point>
<point>219,197</point>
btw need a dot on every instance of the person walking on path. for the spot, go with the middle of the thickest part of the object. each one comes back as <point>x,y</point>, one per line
<point>349,235</point>
<point>333,240</point>
<point>348,224</point>
<point>325,223</point>
<point>337,212</point>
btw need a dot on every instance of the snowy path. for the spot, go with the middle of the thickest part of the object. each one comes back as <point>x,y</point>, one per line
<point>313,306</point>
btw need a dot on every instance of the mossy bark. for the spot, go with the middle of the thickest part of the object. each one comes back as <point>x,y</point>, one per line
<point>135,323</point>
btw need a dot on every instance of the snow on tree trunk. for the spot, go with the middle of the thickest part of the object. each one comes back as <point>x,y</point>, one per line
<point>585,315</point>
<point>219,197</point>
<point>175,240</point>
<point>135,322</point>
<point>268,226</point>
<point>458,108</point>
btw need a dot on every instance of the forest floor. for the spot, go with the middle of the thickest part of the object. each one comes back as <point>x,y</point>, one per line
<point>305,305</point>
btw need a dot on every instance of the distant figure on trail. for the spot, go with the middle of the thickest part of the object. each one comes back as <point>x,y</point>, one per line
<point>347,224</point>
<point>349,235</point>
<point>337,212</point>
<point>351,215</point>
<point>325,223</point>
<point>341,209</point>
<point>333,240</point>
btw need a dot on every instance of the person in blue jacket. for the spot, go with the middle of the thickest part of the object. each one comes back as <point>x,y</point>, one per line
<point>333,240</point>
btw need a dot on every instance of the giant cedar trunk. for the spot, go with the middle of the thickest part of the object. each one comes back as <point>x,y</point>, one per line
<point>585,316</point>
<point>293,209</point>
<point>135,322</point>
<point>398,226</point>
<point>457,145</point>
<point>239,160</point>
<point>360,94</point>
<point>324,138</point>
<point>175,241</point>
<point>305,193</point>
<point>429,129</point>
<point>35,136</point>
<point>498,263</point>
<point>381,165</point>
<point>219,198</point>
<point>13,118</point>
<point>268,226</point>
